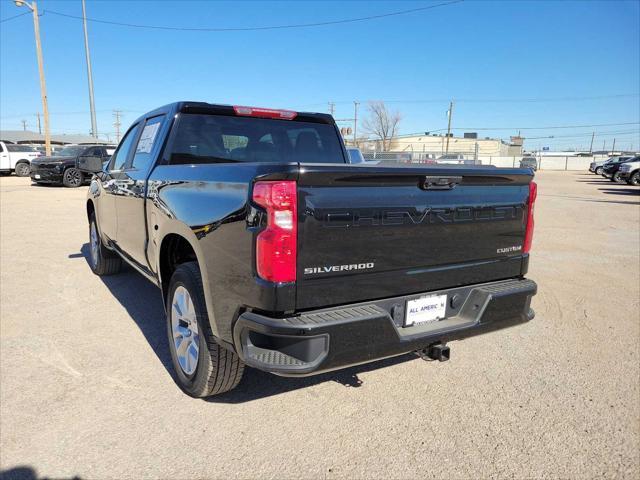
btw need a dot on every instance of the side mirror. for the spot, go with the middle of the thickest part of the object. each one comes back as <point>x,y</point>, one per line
<point>90,163</point>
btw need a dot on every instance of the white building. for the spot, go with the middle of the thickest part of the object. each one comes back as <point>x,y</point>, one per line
<point>437,145</point>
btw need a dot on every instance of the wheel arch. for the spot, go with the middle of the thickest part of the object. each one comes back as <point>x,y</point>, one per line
<point>174,250</point>
<point>21,162</point>
<point>176,247</point>
<point>91,209</point>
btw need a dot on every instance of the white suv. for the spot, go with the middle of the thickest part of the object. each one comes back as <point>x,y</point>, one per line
<point>16,158</point>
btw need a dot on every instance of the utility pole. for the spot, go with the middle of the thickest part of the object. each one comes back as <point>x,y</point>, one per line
<point>592,137</point>
<point>24,125</point>
<point>355,122</point>
<point>604,143</point>
<point>332,108</point>
<point>116,124</point>
<point>613,150</point>
<point>39,127</point>
<point>43,87</point>
<point>94,127</point>
<point>450,113</point>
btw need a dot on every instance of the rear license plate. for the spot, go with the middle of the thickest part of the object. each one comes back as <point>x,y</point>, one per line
<point>37,176</point>
<point>425,310</point>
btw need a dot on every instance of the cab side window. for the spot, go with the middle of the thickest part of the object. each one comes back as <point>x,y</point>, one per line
<point>93,152</point>
<point>121,155</point>
<point>148,143</point>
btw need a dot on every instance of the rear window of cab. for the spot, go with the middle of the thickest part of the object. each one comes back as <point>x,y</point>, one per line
<point>204,138</point>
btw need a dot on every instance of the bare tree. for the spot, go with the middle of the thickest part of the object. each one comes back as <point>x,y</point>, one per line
<point>382,123</point>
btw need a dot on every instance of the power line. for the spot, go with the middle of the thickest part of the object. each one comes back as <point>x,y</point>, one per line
<point>523,100</point>
<point>579,135</point>
<point>527,128</point>
<point>15,16</point>
<point>497,100</point>
<point>268,27</point>
<point>6,117</point>
<point>574,135</point>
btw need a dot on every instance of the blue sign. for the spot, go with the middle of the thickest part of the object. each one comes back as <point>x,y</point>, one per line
<point>545,149</point>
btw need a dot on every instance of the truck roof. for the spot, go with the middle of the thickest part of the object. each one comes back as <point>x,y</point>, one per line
<point>225,109</point>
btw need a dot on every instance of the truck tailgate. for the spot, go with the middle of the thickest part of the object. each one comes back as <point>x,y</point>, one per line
<point>370,232</point>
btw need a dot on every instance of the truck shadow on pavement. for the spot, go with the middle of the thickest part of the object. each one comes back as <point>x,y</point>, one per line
<point>621,191</point>
<point>256,384</point>
<point>143,302</point>
<point>26,473</point>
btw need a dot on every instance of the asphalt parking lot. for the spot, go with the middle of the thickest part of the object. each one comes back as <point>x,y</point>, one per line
<point>86,389</point>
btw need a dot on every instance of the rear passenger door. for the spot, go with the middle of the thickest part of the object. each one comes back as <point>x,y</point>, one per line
<point>130,202</point>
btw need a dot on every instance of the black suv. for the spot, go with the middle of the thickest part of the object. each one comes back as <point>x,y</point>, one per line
<point>66,166</point>
<point>610,169</point>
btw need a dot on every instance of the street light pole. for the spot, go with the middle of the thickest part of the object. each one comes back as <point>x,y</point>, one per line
<point>94,126</point>
<point>33,6</point>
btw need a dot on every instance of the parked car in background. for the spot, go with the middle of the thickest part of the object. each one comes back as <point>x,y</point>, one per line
<point>596,167</point>
<point>43,151</point>
<point>67,166</point>
<point>610,169</point>
<point>270,251</point>
<point>630,171</point>
<point>529,162</point>
<point>16,158</point>
<point>355,155</point>
<point>451,158</point>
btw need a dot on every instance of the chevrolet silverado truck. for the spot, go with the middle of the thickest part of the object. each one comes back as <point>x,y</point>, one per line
<point>271,250</point>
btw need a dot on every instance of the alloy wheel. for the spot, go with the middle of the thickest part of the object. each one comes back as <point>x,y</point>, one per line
<point>94,244</point>
<point>184,326</point>
<point>22,170</point>
<point>74,177</point>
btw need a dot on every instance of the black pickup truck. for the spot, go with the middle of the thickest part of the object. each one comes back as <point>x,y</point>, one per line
<point>272,251</point>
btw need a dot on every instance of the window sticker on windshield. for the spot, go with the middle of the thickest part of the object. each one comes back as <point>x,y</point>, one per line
<point>146,139</point>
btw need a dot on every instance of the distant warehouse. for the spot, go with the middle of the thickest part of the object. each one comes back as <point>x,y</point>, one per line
<point>468,144</point>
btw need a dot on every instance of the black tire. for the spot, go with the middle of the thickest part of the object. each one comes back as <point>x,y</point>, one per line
<point>102,261</point>
<point>634,179</point>
<point>599,171</point>
<point>23,169</point>
<point>616,178</point>
<point>72,178</point>
<point>218,369</point>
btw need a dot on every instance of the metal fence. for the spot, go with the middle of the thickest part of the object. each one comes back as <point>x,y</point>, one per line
<point>545,162</point>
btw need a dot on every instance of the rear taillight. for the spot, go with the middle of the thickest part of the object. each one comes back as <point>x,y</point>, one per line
<point>276,248</point>
<point>265,112</point>
<point>528,235</point>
